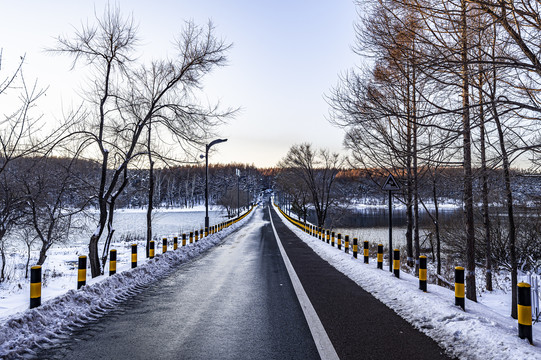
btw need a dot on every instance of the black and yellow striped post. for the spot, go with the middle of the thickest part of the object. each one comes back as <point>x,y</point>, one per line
<point>35,286</point>
<point>196,236</point>
<point>175,242</point>
<point>184,238</point>
<point>200,235</point>
<point>328,236</point>
<point>81,272</point>
<point>365,251</point>
<point>206,231</point>
<point>112,262</point>
<point>332,239</point>
<point>355,247</point>
<point>164,245</point>
<point>133,256</point>
<point>380,256</point>
<point>346,244</point>
<point>396,262</point>
<point>459,287</point>
<point>422,273</point>
<point>525,312</point>
<point>151,249</point>
<point>314,232</point>
<point>339,240</point>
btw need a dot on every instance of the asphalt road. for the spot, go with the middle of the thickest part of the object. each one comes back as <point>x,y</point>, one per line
<point>237,302</point>
<point>234,302</point>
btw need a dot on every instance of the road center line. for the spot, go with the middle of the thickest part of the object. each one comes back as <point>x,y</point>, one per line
<point>323,343</point>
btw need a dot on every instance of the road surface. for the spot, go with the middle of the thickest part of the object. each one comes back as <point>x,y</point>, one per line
<point>237,301</point>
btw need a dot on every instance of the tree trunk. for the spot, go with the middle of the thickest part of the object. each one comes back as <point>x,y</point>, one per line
<point>484,190</point>
<point>471,292</point>
<point>510,217</point>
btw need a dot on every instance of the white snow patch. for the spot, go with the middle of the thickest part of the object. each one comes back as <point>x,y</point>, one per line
<point>58,316</point>
<point>478,333</point>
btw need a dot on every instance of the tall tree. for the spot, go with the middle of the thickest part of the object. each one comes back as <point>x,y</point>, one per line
<point>126,96</point>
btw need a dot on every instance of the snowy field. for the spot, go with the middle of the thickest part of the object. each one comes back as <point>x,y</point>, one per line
<point>60,267</point>
<point>484,331</point>
<point>64,309</point>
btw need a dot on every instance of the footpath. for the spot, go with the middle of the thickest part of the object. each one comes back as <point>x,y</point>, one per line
<point>358,325</point>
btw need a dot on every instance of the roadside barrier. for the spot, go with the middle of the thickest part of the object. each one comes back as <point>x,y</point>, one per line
<point>81,272</point>
<point>328,236</point>
<point>35,271</point>
<point>525,312</point>
<point>525,317</point>
<point>459,287</point>
<point>133,256</point>
<point>422,273</point>
<point>151,249</point>
<point>396,262</point>
<point>35,286</point>
<point>196,236</point>
<point>200,234</point>
<point>112,262</point>
<point>365,251</point>
<point>380,256</point>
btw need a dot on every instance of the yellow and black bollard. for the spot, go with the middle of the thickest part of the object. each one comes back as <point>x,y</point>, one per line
<point>328,236</point>
<point>355,247</point>
<point>422,273</point>
<point>459,287</point>
<point>332,239</point>
<point>112,262</point>
<point>339,240</point>
<point>81,272</point>
<point>175,243</point>
<point>151,249</point>
<point>164,246</point>
<point>380,256</point>
<point>200,234</point>
<point>196,236</point>
<point>206,231</point>
<point>346,244</point>
<point>35,286</point>
<point>184,238</point>
<point>365,252</point>
<point>133,256</point>
<point>525,312</point>
<point>396,262</point>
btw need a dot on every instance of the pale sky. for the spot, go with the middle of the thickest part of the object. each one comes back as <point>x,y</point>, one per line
<point>286,55</point>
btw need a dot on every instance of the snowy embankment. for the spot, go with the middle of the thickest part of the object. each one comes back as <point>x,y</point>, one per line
<point>58,317</point>
<point>478,333</point>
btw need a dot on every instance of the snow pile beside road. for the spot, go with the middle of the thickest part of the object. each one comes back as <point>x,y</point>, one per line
<point>58,317</point>
<point>477,333</point>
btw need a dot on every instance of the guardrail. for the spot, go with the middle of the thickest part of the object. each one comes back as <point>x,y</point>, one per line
<point>525,297</point>
<point>35,271</point>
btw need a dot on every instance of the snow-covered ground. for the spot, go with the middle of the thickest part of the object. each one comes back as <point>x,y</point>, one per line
<point>484,331</point>
<point>64,308</point>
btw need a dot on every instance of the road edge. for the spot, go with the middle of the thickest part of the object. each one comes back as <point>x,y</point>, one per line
<point>324,345</point>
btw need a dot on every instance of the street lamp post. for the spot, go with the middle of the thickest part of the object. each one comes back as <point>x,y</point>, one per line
<point>207,147</point>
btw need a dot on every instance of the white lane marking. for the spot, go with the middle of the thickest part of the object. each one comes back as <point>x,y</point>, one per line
<point>323,343</point>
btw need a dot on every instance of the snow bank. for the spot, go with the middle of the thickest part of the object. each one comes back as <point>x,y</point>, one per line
<point>477,333</point>
<point>58,317</point>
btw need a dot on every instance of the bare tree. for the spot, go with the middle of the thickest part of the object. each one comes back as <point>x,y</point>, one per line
<point>126,97</point>
<point>318,170</point>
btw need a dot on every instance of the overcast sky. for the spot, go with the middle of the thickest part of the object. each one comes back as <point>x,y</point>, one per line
<point>286,55</point>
